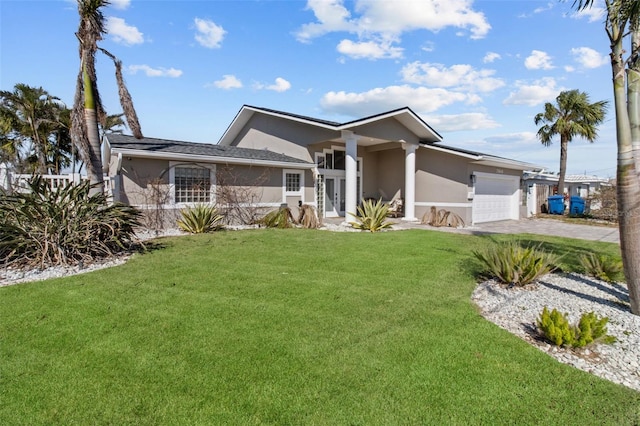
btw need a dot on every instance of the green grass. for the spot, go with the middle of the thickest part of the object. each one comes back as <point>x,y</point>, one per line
<point>287,327</point>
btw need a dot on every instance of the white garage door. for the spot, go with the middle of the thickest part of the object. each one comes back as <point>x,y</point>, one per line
<point>495,198</point>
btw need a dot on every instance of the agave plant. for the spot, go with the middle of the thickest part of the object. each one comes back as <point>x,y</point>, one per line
<point>44,226</point>
<point>514,264</point>
<point>602,267</point>
<point>372,216</point>
<point>200,219</point>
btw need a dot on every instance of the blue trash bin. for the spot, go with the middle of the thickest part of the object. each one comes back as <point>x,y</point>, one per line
<point>556,204</point>
<point>576,205</point>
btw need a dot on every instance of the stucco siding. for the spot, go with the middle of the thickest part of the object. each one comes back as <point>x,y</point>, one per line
<point>282,136</point>
<point>137,176</point>
<point>390,129</point>
<point>390,173</point>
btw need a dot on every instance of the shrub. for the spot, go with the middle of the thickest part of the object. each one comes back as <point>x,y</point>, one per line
<point>372,216</point>
<point>513,264</point>
<point>602,267</point>
<point>200,219</point>
<point>308,218</point>
<point>281,218</point>
<point>555,328</point>
<point>442,217</point>
<point>46,227</point>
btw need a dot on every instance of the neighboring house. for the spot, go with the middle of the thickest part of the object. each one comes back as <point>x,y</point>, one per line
<point>540,185</point>
<point>289,158</point>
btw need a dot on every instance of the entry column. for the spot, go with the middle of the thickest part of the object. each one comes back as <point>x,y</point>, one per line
<point>351,174</point>
<point>410,182</point>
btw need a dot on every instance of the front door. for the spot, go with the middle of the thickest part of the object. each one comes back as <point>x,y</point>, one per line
<point>334,191</point>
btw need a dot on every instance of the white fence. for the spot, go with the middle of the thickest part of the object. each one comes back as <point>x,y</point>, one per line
<point>13,182</point>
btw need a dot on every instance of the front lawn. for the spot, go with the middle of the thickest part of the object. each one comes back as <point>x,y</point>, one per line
<point>286,327</point>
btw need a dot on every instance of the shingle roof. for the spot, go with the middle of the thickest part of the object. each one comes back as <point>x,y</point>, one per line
<point>126,142</point>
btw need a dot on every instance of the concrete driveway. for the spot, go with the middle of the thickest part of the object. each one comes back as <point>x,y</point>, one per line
<point>553,227</point>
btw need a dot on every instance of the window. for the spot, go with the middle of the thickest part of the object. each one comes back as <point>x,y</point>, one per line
<point>192,185</point>
<point>292,182</point>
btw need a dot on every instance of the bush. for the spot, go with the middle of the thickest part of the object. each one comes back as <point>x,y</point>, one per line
<point>372,216</point>
<point>308,217</point>
<point>513,264</point>
<point>442,217</point>
<point>48,227</point>
<point>281,218</point>
<point>602,267</point>
<point>555,328</point>
<point>200,219</point>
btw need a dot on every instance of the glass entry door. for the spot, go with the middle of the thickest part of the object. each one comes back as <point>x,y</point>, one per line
<point>334,191</point>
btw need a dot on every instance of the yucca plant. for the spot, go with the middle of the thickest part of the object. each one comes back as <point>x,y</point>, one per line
<point>44,226</point>
<point>602,267</point>
<point>372,216</point>
<point>281,218</point>
<point>200,219</point>
<point>514,264</point>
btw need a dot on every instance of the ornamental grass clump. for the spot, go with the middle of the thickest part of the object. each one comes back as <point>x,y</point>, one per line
<point>372,216</point>
<point>308,217</point>
<point>602,267</point>
<point>45,227</point>
<point>281,218</point>
<point>513,264</point>
<point>200,219</point>
<point>555,328</point>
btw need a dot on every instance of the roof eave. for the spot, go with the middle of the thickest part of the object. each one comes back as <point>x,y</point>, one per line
<point>172,156</point>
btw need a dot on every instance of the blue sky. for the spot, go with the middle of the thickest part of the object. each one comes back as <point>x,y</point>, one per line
<point>476,71</point>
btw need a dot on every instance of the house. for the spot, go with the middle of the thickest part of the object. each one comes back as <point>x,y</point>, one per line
<point>289,158</point>
<point>540,185</point>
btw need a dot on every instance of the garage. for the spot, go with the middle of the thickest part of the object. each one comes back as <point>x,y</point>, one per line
<point>495,197</point>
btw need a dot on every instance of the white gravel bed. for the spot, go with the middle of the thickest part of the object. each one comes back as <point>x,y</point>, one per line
<point>516,310</point>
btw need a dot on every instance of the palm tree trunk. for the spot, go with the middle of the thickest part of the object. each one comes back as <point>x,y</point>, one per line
<point>94,166</point>
<point>564,144</point>
<point>628,184</point>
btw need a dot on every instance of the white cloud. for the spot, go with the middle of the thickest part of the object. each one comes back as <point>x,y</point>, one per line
<point>491,57</point>
<point>123,33</point>
<point>421,99</point>
<point>461,122</point>
<point>595,13</point>
<point>589,58</point>
<point>280,85</point>
<point>460,77</point>
<point>228,82</point>
<point>331,16</point>
<point>539,92</point>
<point>120,4</point>
<point>155,72</point>
<point>379,24</point>
<point>538,60</point>
<point>208,33</point>
<point>369,50</point>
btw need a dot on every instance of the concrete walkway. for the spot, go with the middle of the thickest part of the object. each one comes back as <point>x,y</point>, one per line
<point>552,227</point>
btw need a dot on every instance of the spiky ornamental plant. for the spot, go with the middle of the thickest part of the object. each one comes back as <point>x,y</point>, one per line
<point>45,227</point>
<point>199,219</point>
<point>372,216</point>
<point>602,267</point>
<point>513,264</point>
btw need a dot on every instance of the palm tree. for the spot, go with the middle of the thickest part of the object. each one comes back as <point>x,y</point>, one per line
<point>623,19</point>
<point>87,108</point>
<point>29,115</point>
<point>572,116</point>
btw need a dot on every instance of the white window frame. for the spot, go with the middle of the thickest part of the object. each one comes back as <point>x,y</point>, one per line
<point>298,193</point>
<point>172,181</point>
